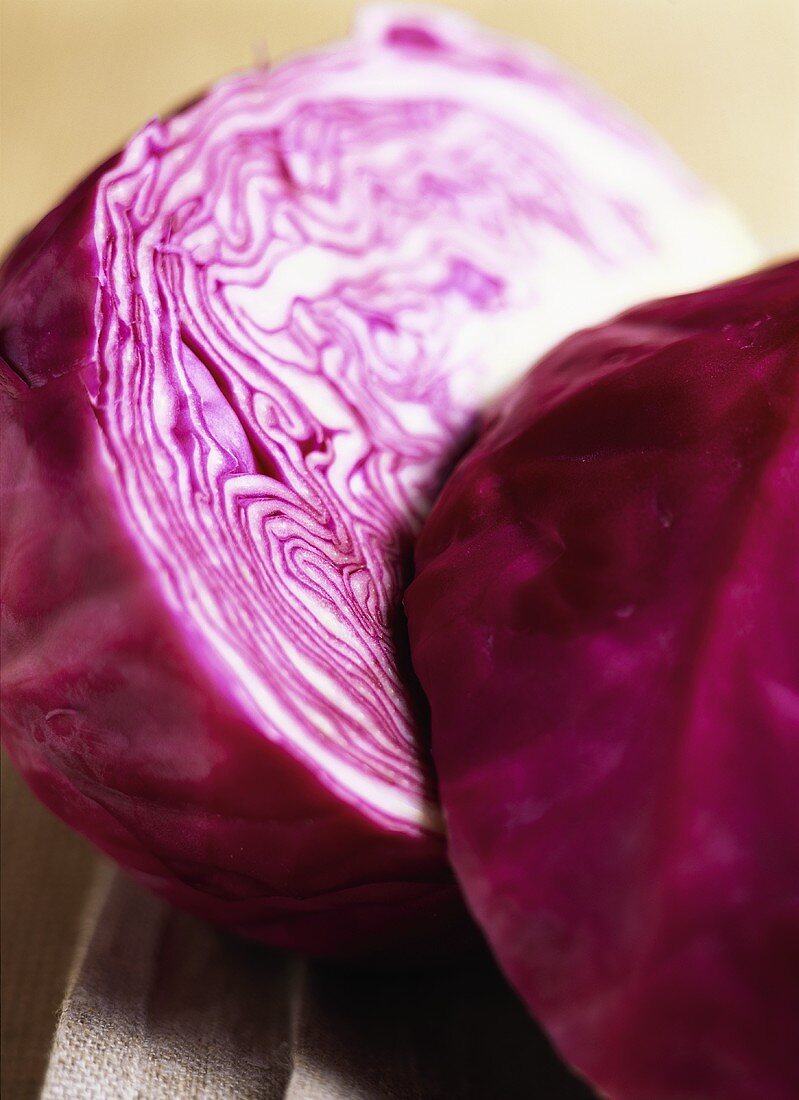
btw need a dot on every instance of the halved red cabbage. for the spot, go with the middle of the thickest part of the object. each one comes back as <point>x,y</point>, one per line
<point>241,357</point>
<point>606,622</point>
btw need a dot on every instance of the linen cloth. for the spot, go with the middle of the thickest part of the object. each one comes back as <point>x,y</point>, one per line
<point>163,1007</point>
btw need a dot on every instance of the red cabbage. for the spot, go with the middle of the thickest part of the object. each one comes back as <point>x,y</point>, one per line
<point>240,358</point>
<point>606,622</point>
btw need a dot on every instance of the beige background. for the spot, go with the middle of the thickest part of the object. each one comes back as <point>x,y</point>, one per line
<point>719,78</point>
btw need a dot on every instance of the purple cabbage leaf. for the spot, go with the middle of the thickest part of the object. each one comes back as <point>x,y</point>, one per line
<point>606,623</point>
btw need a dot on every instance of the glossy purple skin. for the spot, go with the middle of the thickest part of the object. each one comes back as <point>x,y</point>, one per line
<point>606,622</point>
<point>140,754</point>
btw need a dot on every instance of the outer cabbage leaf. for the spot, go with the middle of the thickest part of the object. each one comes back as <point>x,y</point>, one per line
<point>240,359</point>
<point>606,622</point>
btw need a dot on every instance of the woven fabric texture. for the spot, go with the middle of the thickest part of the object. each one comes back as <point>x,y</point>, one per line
<point>163,1007</point>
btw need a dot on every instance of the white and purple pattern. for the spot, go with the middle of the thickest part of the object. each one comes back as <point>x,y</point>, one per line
<point>312,280</point>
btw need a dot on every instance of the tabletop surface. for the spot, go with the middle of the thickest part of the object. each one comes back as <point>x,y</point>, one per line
<point>719,78</point>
